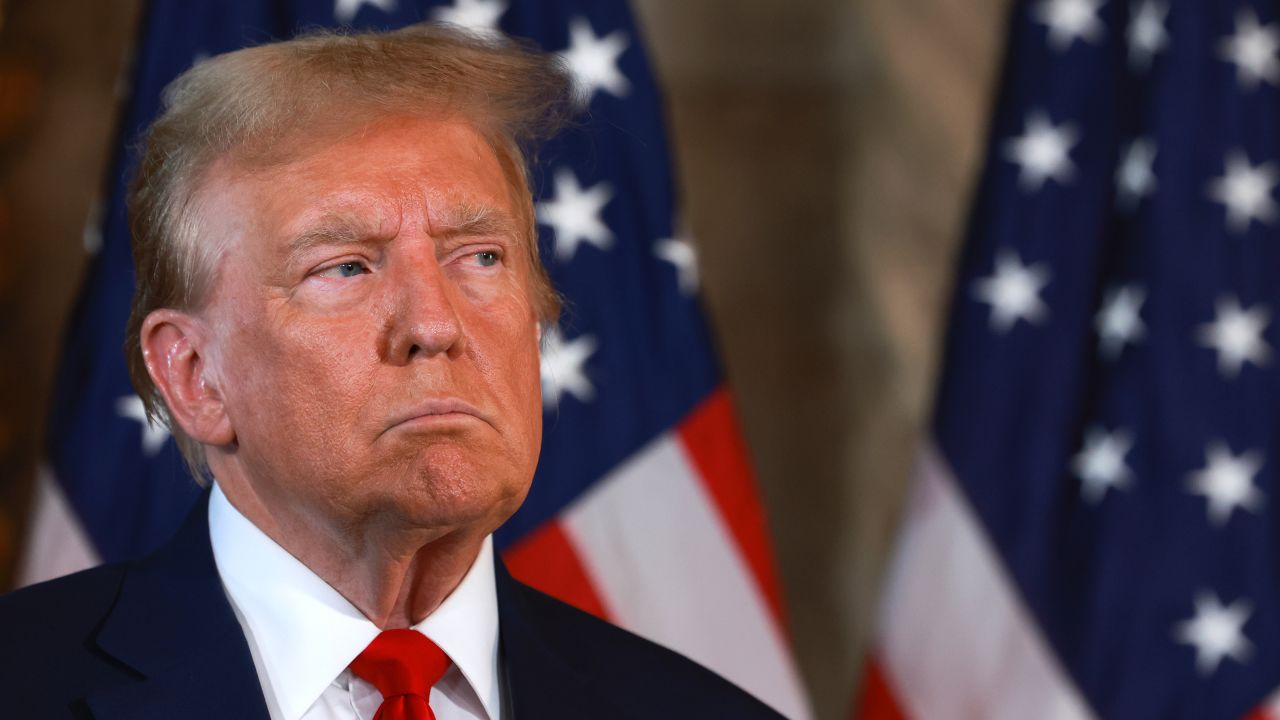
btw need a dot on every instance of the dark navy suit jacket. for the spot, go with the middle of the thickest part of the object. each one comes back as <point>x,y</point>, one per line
<point>157,638</point>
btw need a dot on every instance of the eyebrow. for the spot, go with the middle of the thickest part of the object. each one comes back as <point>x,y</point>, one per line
<point>460,220</point>
<point>332,230</point>
<point>466,219</point>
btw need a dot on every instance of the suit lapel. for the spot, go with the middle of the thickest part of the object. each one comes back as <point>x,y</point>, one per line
<point>174,626</point>
<point>541,682</point>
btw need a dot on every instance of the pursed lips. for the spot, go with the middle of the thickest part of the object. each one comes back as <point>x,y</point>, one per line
<point>439,407</point>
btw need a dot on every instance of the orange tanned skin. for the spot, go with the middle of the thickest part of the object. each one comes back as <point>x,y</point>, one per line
<point>388,268</point>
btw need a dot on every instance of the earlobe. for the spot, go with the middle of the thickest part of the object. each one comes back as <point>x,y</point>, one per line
<point>174,346</point>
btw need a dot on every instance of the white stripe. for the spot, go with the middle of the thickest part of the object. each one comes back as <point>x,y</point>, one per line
<point>56,542</point>
<point>956,640</point>
<point>665,564</point>
<point>1271,706</point>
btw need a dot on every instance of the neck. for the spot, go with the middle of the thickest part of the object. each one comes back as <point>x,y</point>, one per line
<point>396,575</point>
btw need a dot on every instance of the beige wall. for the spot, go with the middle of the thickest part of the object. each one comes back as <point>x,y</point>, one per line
<point>58,67</point>
<point>825,149</point>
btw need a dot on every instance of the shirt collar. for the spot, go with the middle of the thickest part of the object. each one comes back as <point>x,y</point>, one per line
<point>306,633</point>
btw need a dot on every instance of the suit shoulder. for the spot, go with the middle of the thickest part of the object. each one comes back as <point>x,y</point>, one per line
<point>46,642</point>
<point>68,607</point>
<point>629,668</point>
<point>64,597</point>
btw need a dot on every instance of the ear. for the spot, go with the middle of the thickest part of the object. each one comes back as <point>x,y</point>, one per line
<point>175,350</point>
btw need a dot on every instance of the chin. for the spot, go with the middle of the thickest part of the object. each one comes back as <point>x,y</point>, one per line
<point>451,492</point>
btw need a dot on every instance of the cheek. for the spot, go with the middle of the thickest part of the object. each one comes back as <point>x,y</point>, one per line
<point>506,351</point>
<point>300,377</point>
<point>520,404</point>
<point>332,363</point>
<point>528,387</point>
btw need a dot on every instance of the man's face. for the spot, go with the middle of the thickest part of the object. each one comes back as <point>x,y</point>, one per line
<point>373,335</point>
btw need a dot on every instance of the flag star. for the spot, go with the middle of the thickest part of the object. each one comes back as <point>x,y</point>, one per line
<point>1236,335</point>
<point>563,367</point>
<point>478,15</point>
<point>1245,189</point>
<point>1227,482</point>
<point>154,434</point>
<point>1013,291</point>
<point>574,215</point>
<point>1119,322</point>
<point>1134,176</point>
<point>1216,632</point>
<point>1147,35</point>
<point>1100,464</point>
<point>594,60</point>
<point>680,253</point>
<point>1069,20</point>
<point>1253,50</point>
<point>344,11</point>
<point>1042,152</point>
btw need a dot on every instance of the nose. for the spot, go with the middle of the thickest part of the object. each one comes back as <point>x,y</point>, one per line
<point>424,320</point>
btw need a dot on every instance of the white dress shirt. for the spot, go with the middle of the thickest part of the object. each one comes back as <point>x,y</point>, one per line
<point>303,634</point>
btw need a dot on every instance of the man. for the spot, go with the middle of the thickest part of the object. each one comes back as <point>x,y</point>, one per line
<point>338,310</point>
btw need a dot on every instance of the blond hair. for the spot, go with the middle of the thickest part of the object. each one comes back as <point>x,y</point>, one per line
<point>257,106</point>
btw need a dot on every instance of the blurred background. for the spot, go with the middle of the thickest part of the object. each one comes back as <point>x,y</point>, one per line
<point>826,151</point>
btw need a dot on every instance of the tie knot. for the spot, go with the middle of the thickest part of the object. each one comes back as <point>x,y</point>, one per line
<point>401,662</point>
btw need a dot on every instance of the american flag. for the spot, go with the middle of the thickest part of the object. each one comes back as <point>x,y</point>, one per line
<point>1094,526</point>
<point>643,509</point>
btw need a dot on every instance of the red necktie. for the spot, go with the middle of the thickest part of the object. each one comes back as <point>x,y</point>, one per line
<point>403,665</point>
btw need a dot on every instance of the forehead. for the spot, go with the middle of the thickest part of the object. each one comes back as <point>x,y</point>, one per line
<point>391,174</point>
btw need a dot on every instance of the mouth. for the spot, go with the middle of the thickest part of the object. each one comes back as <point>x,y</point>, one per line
<point>438,411</point>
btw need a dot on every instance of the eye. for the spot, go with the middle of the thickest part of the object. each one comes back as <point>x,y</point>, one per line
<point>345,270</point>
<point>487,258</point>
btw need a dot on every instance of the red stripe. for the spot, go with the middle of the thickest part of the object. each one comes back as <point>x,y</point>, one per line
<point>1262,713</point>
<point>877,701</point>
<point>711,439</point>
<point>546,560</point>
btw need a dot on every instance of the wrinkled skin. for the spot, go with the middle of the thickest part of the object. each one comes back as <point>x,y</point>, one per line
<point>364,375</point>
